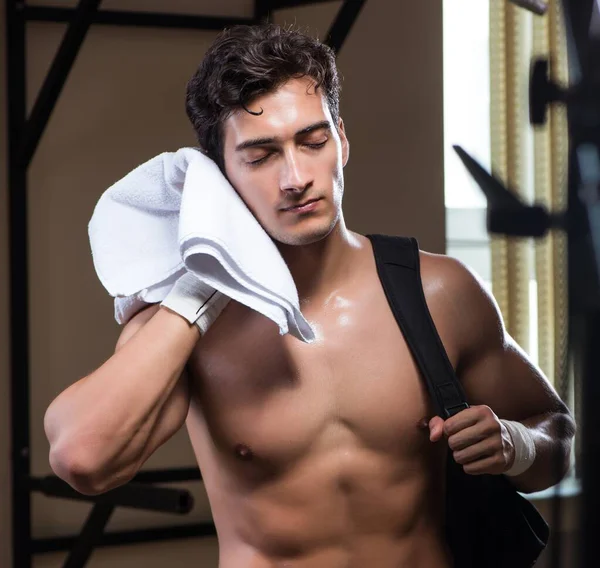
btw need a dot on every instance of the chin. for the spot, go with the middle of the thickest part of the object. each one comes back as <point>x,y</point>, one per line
<point>303,236</point>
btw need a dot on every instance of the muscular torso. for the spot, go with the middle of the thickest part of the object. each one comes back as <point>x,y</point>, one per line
<point>313,455</point>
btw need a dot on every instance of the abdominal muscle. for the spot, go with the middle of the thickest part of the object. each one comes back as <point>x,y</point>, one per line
<point>342,508</point>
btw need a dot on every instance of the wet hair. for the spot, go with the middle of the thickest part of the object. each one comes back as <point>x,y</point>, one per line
<point>245,62</point>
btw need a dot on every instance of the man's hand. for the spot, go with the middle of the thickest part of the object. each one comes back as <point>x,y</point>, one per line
<point>480,442</point>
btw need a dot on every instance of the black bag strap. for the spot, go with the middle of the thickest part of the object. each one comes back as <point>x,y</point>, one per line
<point>398,267</point>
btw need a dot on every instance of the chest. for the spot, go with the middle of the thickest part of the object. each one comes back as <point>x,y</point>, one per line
<point>274,400</point>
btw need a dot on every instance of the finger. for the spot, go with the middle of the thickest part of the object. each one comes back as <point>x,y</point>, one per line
<point>464,419</point>
<point>484,449</point>
<point>491,465</point>
<point>470,436</point>
<point>436,428</point>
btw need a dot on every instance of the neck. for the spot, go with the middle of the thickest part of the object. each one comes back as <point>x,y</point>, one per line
<point>320,267</point>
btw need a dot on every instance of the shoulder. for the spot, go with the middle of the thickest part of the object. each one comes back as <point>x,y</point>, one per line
<point>439,271</point>
<point>447,278</point>
<point>460,303</point>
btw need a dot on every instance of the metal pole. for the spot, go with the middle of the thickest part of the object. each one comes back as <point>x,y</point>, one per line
<point>18,286</point>
<point>138,19</point>
<point>56,78</point>
<point>263,11</point>
<point>343,23</point>
<point>124,538</point>
<point>90,535</point>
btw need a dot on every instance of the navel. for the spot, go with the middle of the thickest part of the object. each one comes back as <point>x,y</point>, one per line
<point>243,452</point>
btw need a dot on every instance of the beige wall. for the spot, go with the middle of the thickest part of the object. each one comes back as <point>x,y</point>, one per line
<point>123,104</point>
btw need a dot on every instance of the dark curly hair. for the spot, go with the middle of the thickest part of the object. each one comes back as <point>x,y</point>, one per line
<point>245,62</point>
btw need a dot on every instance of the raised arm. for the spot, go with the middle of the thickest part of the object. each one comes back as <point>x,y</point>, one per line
<point>105,426</point>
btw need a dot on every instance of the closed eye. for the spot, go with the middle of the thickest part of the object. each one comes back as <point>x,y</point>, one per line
<point>317,145</point>
<point>260,160</point>
<point>312,146</point>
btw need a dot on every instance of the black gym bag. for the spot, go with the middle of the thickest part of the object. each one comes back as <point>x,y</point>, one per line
<point>488,523</point>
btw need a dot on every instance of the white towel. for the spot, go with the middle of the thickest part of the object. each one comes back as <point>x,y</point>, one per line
<point>178,212</point>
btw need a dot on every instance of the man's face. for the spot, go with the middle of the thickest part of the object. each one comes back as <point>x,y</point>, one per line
<point>289,154</point>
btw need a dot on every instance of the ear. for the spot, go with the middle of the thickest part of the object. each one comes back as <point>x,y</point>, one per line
<point>344,141</point>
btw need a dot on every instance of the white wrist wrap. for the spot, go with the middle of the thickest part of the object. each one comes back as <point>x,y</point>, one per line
<point>195,301</point>
<point>524,447</point>
<point>211,311</point>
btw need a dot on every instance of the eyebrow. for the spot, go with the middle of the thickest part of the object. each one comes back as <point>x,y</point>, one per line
<point>270,140</point>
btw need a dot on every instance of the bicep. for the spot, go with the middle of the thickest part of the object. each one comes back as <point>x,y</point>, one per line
<point>493,369</point>
<point>505,379</point>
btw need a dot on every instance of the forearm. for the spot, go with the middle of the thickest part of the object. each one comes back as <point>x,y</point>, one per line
<point>552,435</point>
<point>103,421</point>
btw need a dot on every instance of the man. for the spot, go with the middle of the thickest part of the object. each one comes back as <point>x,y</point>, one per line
<point>323,454</point>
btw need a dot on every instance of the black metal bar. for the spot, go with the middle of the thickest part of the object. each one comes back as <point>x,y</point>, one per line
<point>132,495</point>
<point>343,23</point>
<point>57,76</point>
<point>281,4</point>
<point>121,538</point>
<point>168,475</point>
<point>137,19</point>
<point>263,11</point>
<point>90,535</point>
<point>18,286</point>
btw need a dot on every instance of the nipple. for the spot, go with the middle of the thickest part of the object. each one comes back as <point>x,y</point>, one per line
<point>243,452</point>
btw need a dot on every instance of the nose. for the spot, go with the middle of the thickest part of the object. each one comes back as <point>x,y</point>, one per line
<point>295,173</point>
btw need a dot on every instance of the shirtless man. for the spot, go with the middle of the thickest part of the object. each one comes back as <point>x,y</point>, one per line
<point>314,455</point>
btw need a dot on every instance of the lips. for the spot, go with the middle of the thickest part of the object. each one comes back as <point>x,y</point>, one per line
<point>301,204</point>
